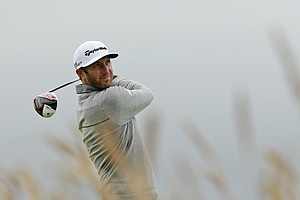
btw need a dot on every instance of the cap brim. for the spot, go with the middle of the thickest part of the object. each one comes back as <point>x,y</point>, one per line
<point>113,55</point>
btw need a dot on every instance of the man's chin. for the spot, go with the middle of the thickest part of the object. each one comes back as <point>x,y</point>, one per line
<point>106,83</point>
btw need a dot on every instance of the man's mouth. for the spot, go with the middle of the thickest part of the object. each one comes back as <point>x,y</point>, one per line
<point>105,77</point>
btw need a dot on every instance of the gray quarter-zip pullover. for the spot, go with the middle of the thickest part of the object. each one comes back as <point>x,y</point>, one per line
<point>107,121</point>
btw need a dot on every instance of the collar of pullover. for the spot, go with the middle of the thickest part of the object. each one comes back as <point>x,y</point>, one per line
<point>80,89</point>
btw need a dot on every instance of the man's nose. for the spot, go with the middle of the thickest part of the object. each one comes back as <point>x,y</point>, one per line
<point>104,67</point>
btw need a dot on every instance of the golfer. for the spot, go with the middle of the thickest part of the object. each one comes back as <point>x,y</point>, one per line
<point>107,106</point>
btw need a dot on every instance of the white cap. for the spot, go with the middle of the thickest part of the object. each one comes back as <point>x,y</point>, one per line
<point>89,52</point>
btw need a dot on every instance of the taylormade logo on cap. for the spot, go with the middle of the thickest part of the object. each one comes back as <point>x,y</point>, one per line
<point>89,52</point>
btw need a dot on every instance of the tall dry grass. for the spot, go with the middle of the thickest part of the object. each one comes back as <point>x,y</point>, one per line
<point>74,176</point>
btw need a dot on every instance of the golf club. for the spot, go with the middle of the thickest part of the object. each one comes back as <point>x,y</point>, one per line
<point>45,104</point>
<point>64,85</point>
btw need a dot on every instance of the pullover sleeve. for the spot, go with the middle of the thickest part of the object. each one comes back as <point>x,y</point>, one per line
<point>125,99</point>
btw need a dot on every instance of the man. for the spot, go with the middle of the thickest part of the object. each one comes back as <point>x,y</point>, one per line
<point>106,111</point>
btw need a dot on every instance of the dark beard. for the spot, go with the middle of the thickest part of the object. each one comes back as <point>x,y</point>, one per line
<point>93,82</point>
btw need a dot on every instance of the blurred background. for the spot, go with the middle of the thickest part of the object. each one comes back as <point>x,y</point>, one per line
<point>224,123</point>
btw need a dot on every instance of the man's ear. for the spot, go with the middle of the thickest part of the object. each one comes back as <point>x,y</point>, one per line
<point>80,73</point>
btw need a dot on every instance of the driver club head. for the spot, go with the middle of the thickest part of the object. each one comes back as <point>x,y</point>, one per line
<point>45,104</point>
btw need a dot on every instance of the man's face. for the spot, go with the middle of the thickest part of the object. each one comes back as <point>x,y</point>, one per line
<point>99,74</point>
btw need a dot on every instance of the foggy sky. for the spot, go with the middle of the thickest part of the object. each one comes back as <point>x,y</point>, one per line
<point>195,56</point>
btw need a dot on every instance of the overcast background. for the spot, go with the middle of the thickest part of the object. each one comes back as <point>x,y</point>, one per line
<point>195,55</point>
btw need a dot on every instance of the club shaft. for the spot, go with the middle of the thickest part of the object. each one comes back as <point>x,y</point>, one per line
<point>64,85</point>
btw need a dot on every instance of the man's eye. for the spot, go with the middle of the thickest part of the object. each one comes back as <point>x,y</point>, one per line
<point>96,66</point>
